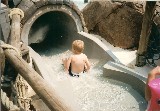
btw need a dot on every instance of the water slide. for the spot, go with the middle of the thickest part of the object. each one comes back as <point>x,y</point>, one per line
<point>89,89</point>
<point>61,83</point>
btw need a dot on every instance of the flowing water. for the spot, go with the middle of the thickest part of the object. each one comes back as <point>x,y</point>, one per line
<point>92,91</point>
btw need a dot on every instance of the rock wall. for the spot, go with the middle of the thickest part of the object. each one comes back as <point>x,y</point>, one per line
<point>117,22</point>
<point>157,14</point>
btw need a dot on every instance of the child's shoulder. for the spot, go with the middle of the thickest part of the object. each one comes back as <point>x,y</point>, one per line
<point>84,55</point>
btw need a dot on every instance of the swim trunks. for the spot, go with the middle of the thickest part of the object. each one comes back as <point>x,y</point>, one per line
<point>74,74</point>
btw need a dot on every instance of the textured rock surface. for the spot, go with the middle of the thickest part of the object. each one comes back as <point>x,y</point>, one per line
<point>118,23</point>
<point>157,12</point>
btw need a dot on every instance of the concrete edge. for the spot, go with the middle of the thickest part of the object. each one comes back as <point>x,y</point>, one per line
<point>127,70</point>
<point>102,45</point>
<point>124,74</point>
<point>45,9</point>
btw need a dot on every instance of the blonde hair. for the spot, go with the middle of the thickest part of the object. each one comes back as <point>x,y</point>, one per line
<point>78,46</point>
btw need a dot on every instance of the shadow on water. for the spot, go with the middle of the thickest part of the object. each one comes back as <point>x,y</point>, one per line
<point>47,45</point>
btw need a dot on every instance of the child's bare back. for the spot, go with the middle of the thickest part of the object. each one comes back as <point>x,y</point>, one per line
<point>78,62</point>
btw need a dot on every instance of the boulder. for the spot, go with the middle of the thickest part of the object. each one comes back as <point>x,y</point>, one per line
<point>118,23</point>
<point>157,14</point>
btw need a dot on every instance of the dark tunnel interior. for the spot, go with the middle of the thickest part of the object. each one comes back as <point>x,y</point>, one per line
<point>52,29</point>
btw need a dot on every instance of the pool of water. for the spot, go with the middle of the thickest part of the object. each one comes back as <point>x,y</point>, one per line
<point>92,91</point>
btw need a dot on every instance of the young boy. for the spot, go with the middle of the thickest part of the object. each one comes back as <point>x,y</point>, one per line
<point>77,63</point>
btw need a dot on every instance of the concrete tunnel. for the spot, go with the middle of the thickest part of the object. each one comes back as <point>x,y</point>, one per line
<point>52,27</point>
<point>52,23</point>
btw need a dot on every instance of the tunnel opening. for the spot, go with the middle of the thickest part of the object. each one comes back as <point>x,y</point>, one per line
<point>52,29</point>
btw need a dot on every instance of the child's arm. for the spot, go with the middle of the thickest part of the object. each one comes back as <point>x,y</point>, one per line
<point>151,76</point>
<point>68,64</point>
